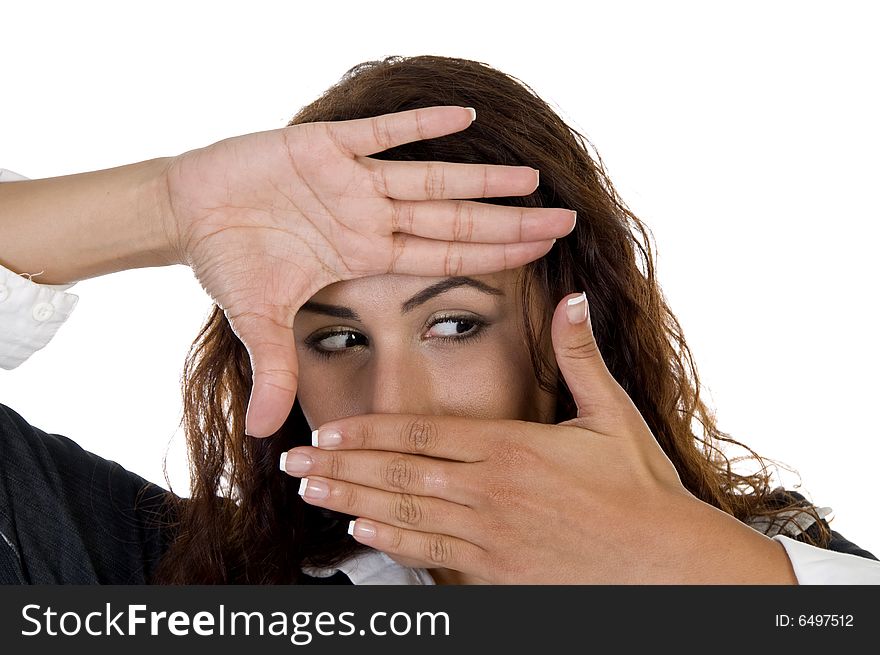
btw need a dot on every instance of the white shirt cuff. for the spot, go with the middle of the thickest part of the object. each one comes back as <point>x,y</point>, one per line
<point>30,315</point>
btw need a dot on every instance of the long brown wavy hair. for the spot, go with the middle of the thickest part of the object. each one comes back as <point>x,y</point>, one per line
<point>244,521</point>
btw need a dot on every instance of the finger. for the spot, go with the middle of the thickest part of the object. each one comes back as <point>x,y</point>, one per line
<point>401,510</point>
<point>413,255</point>
<point>480,222</point>
<point>367,136</point>
<point>394,472</point>
<point>432,550</point>
<point>599,398</point>
<point>437,180</point>
<point>272,350</point>
<point>450,437</point>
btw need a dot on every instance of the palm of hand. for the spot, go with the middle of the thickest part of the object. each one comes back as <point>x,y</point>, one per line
<point>286,226</point>
<point>265,220</point>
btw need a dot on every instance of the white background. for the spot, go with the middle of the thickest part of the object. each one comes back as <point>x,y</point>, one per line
<point>745,136</point>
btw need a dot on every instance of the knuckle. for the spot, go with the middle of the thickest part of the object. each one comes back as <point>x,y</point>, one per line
<point>502,493</point>
<point>438,549</point>
<point>395,539</point>
<point>420,125</point>
<point>396,214</point>
<point>582,348</point>
<point>435,181</point>
<point>400,474</point>
<point>457,220</point>
<point>365,436</point>
<point>514,456</point>
<point>335,466</point>
<point>410,214</point>
<point>429,181</point>
<point>463,225</point>
<point>348,497</point>
<point>420,435</point>
<point>407,510</point>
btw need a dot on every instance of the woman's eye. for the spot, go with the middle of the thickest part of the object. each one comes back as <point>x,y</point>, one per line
<point>338,341</point>
<point>455,328</point>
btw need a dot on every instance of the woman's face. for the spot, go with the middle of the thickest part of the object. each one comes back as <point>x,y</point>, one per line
<point>419,345</point>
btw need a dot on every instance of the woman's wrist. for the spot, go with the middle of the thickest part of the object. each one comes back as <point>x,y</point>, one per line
<point>720,549</point>
<point>75,227</point>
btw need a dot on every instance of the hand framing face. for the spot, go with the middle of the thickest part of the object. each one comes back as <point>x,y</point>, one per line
<point>591,500</point>
<point>265,220</point>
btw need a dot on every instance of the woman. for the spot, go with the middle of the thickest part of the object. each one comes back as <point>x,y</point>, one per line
<point>498,375</point>
<point>478,347</point>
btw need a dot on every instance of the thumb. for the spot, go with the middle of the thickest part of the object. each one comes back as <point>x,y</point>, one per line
<point>272,351</point>
<point>595,391</point>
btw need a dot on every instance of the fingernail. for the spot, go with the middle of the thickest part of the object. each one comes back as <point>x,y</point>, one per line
<point>473,113</point>
<point>577,309</point>
<point>313,489</point>
<point>323,438</point>
<point>574,222</point>
<point>361,529</point>
<point>295,463</point>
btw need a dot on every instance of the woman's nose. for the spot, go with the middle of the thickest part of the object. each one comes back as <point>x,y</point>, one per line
<point>400,385</point>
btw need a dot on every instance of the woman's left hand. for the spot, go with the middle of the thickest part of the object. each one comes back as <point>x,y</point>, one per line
<point>593,500</point>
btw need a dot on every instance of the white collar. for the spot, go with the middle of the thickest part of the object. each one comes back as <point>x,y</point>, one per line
<point>373,567</point>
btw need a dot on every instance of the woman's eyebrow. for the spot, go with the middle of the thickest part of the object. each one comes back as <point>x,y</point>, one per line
<point>330,310</point>
<point>426,294</point>
<point>420,298</point>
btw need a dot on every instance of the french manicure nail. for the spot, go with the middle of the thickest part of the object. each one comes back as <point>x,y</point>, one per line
<point>361,529</point>
<point>296,463</point>
<point>473,113</point>
<point>323,438</point>
<point>313,489</point>
<point>576,309</point>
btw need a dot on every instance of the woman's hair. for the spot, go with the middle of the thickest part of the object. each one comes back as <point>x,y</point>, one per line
<point>245,522</point>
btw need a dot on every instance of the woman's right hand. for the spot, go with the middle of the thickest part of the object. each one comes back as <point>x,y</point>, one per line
<point>265,220</point>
